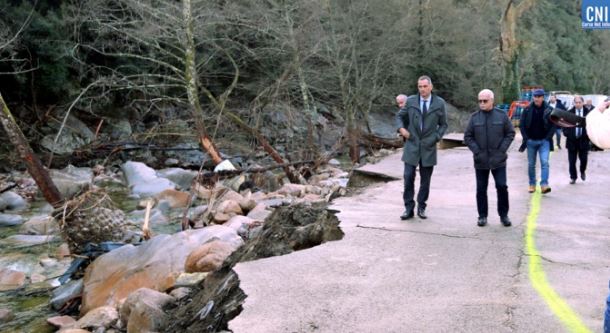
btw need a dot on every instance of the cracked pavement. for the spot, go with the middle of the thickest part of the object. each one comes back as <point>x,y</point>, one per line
<point>443,274</point>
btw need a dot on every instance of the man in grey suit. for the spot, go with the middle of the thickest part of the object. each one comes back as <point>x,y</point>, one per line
<point>422,122</point>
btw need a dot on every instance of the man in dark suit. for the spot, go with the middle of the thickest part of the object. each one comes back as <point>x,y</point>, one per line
<point>577,141</point>
<point>422,122</point>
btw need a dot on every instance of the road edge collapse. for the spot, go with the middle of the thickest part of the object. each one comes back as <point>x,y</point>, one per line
<point>537,277</point>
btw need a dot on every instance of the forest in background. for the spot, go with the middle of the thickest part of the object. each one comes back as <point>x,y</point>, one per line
<point>213,61</point>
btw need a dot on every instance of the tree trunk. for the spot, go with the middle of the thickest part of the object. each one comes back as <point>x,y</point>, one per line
<point>32,162</point>
<point>510,47</point>
<point>190,71</point>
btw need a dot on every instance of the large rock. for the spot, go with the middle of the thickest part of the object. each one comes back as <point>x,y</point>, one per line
<point>143,180</point>
<point>208,257</point>
<point>102,317</point>
<point>40,225</point>
<point>154,264</point>
<point>143,310</point>
<point>8,220</point>
<point>71,180</point>
<point>10,279</point>
<point>74,134</point>
<point>65,293</point>
<point>27,240</point>
<point>6,315</point>
<point>181,177</point>
<point>12,201</point>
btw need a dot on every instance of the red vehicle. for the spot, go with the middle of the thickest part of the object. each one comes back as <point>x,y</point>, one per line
<point>516,107</point>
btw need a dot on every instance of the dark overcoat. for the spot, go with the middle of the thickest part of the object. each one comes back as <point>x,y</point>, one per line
<point>421,144</point>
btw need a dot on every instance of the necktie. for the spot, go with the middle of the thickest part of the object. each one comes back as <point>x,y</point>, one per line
<point>423,112</point>
<point>578,129</point>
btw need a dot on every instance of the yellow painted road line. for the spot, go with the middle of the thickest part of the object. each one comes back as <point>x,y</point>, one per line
<point>538,278</point>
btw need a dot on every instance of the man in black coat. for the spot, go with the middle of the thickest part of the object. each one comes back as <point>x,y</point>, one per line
<point>488,135</point>
<point>537,131</point>
<point>577,141</point>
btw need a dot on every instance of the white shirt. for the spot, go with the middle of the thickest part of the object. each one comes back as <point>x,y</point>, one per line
<point>598,127</point>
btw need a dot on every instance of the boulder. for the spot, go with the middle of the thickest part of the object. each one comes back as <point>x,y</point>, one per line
<point>208,257</point>
<point>6,315</point>
<point>65,293</point>
<point>101,317</point>
<point>143,180</point>
<point>71,180</point>
<point>12,201</point>
<point>61,321</point>
<point>11,279</point>
<point>40,225</point>
<point>27,240</point>
<point>155,264</point>
<point>181,177</point>
<point>174,198</point>
<point>143,310</point>
<point>8,220</point>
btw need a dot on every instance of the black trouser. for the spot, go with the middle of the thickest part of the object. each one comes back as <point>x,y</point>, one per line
<point>501,190</point>
<point>582,154</point>
<point>425,174</point>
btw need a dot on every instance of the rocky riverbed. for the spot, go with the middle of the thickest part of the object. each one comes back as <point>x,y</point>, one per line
<point>152,277</point>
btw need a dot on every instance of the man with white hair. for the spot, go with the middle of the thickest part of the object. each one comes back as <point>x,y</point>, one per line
<point>488,135</point>
<point>401,101</point>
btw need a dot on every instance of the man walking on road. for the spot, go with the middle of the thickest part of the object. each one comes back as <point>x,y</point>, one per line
<point>422,122</point>
<point>488,135</point>
<point>537,131</point>
<point>577,142</point>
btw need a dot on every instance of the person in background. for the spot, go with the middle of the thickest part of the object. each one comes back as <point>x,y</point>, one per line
<point>401,101</point>
<point>488,135</point>
<point>537,131</point>
<point>422,123</point>
<point>557,104</point>
<point>577,141</point>
<point>589,105</point>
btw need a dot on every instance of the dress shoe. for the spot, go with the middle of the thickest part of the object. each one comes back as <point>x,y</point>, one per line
<point>407,215</point>
<point>545,189</point>
<point>531,189</point>
<point>505,221</point>
<point>482,221</point>
<point>572,181</point>
<point>421,213</point>
<point>583,176</point>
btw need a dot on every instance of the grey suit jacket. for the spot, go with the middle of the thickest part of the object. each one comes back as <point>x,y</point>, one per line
<point>421,144</point>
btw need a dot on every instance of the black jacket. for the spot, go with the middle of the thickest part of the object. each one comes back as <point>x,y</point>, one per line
<point>488,136</point>
<point>526,121</point>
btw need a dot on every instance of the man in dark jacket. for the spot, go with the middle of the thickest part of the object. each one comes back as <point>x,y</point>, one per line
<point>537,131</point>
<point>488,135</point>
<point>422,122</point>
<point>577,141</point>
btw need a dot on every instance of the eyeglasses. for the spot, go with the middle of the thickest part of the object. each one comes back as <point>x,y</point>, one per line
<point>483,100</point>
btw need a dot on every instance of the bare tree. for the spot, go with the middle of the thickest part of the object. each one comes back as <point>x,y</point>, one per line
<point>511,47</point>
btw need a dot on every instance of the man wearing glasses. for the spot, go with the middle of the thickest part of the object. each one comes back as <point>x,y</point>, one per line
<point>537,131</point>
<point>422,122</point>
<point>488,135</point>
